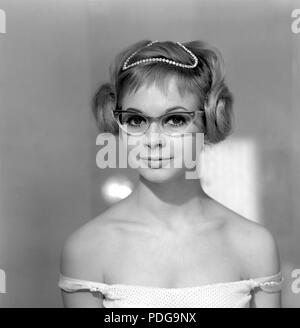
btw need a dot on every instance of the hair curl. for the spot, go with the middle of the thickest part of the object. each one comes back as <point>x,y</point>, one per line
<point>206,82</point>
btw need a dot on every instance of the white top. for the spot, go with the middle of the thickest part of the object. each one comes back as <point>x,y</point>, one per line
<point>234,294</point>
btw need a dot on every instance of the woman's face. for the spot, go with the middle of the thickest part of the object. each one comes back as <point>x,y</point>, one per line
<point>154,143</point>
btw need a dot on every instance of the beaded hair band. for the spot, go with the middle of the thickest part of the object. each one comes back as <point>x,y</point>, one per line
<point>164,60</point>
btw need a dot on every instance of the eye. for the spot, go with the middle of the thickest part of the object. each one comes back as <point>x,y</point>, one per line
<point>177,120</point>
<point>133,120</point>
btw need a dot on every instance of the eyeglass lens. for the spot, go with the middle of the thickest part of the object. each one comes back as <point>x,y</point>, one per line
<point>134,123</point>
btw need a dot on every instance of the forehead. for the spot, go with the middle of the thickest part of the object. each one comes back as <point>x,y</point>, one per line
<point>154,101</point>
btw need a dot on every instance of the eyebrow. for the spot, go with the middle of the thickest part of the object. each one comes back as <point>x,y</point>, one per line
<point>166,111</point>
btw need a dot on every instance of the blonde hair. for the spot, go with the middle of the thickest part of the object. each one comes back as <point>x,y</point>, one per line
<point>206,82</point>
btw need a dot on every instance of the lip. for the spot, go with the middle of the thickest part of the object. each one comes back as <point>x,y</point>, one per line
<point>156,159</point>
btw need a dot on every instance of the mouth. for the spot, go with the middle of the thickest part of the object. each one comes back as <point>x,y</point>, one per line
<point>156,159</point>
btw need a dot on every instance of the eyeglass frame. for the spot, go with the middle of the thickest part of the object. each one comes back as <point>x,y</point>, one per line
<point>151,119</point>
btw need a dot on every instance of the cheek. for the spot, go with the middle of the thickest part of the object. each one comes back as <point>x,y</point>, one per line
<point>184,146</point>
<point>188,149</point>
<point>130,143</point>
<point>133,147</point>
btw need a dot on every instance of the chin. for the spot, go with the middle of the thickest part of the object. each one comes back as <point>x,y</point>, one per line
<point>160,175</point>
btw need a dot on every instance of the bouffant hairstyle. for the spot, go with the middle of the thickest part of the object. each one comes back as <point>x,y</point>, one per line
<point>206,81</point>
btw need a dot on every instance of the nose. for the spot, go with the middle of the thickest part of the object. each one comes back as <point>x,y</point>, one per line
<point>153,136</point>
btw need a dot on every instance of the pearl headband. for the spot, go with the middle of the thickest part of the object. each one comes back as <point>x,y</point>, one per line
<point>164,60</point>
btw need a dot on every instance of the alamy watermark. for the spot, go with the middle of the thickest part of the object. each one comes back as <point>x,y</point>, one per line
<point>295,27</point>
<point>177,152</point>
<point>295,287</point>
<point>2,281</point>
<point>2,21</point>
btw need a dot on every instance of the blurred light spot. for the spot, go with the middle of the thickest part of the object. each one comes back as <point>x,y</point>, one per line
<point>116,188</point>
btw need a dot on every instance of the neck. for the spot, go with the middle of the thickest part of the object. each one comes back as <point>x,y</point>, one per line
<point>175,203</point>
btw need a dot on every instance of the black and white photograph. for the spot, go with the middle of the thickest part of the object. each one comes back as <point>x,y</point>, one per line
<point>149,154</point>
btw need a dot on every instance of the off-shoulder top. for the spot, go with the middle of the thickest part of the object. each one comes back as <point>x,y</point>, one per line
<point>234,294</point>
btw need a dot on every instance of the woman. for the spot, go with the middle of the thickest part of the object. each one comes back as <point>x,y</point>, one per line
<point>168,244</point>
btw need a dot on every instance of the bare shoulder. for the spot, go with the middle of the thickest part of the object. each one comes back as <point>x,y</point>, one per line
<point>87,249</point>
<point>253,244</point>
